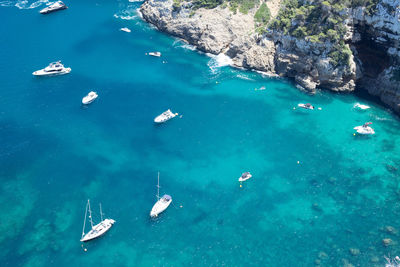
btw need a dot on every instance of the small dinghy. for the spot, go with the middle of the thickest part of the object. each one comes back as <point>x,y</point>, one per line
<point>165,116</point>
<point>306,106</point>
<point>162,203</point>
<point>125,29</point>
<point>245,176</point>
<point>54,68</point>
<point>59,5</point>
<point>361,106</point>
<point>155,54</point>
<point>365,129</point>
<point>89,98</point>
<point>98,229</point>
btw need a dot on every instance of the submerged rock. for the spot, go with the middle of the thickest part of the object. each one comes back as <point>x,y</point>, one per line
<point>316,207</point>
<point>391,230</point>
<point>322,255</point>
<point>374,259</point>
<point>354,251</point>
<point>387,242</point>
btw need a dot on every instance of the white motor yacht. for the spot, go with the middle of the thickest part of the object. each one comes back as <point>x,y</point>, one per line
<point>364,129</point>
<point>306,106</point>
<point>89,98</point>
<point>98,229</point>
<point>59,5</point>
<point>162,203</point>
<point>165,116</point>
<point>361,106</point>
<point>245,176</point>
<point>54,68</point>
<point>155,54</point>
<point>125,29</point>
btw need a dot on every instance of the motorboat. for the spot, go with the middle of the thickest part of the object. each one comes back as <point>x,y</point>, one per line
<point>89,98</point>
<point>155,54</point>
<point>54,68</point>
<point>165,116</point>
<point>59,5</point>
<point>98,229</point>
<point>125,29</point>
<point>306,106</point>
<point>364,129</point>
<point>245,176</point>
<point>162,203</point>
<point>361,106</point>
<point>262,88</point>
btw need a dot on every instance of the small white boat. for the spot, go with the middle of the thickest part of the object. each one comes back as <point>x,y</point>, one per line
<point>125,29</point>
<point>306,106</point>
<point>59,5</point>
<point>155,54</point>
<point>165,116</point>
<point>364,129</point>
<point>98,229</point>
<point>162,203</point>
<point>245,176</point>
<point>361,106</point>
<point>89,98</point>
<point>54,68</point>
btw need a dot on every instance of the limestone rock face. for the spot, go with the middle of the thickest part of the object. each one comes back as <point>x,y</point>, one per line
<point>210,30</point>
<point>218,31</point>
<point>384,28</point>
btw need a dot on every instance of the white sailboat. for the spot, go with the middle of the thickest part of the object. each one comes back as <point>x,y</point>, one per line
<point>162,203</point>
<point>98,229</point>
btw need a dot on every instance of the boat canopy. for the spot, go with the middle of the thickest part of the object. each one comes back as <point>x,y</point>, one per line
<point>167,197</point>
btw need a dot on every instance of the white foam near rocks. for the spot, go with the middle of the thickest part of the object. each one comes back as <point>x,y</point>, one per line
<point>218,61</point>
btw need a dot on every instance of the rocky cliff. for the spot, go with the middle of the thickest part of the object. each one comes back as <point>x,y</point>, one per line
<point>373,39</point>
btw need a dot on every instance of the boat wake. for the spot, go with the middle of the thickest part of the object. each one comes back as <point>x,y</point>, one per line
<point>128,14</point>
<point>216,62</point>
<point>24,4</point>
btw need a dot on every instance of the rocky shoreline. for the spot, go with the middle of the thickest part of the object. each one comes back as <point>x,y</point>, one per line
<point>219,30</point>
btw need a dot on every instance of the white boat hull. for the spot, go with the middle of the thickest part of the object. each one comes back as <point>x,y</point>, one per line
<point>155,54</point>
<point>159,207</point>
<point>241,179</point>
<point>364,130</point>
<point>125,29</point>
<point>165,116</point>
<point>54,7</point>
<point>305,107</point>
<point>98,230</point>
<point>361,106</point>
<point>53,73</point>
<point>89,98</point>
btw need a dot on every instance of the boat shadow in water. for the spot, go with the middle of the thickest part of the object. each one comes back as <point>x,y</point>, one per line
<point>361,137</point>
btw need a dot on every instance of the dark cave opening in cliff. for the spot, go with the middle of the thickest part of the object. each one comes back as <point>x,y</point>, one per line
<point>372,55</point>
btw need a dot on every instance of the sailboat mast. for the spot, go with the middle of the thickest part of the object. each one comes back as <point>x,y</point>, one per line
<point>84,221</point>
<point>158,186</point>
<point>90,215</point>
<point>101,213</point>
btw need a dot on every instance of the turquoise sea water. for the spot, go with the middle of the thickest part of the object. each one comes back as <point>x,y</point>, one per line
<point>55,154</point>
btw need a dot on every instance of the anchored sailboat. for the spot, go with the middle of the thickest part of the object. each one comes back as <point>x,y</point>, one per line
<point>98,229</point>
<point>162,203</point>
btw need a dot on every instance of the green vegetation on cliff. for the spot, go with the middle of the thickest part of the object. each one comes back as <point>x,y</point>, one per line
<point>320,21</point>
<point>317,21</point>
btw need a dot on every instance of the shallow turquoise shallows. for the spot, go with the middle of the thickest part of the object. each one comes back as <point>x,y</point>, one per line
<point>317,190</point>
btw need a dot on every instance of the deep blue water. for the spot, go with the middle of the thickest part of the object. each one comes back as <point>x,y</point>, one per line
<point>316,189</point>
